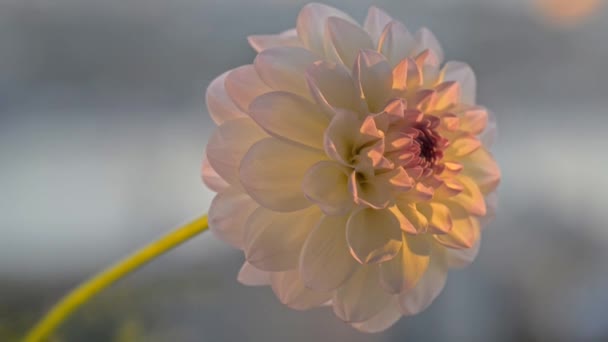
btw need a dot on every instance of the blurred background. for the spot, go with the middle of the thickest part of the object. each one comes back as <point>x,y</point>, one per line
<point>103,126</point>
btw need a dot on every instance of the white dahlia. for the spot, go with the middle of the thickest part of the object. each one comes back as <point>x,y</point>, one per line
<point>348,166</point>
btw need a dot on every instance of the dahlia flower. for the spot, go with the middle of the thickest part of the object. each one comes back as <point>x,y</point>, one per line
<point>348,166</point>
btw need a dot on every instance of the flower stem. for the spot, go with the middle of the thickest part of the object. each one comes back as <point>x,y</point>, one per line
<point>97,283</point>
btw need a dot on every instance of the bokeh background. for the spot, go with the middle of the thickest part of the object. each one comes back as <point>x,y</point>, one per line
<point>103,125</point>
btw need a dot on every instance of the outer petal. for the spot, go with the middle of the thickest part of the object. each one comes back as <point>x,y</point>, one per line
<point>374,77</point>
<point>311,25</point>
<point>396,43</point>
<point>428,288</point>
<point>459,258</point>
<point>326,184</point>
<point>341,136</point>
<point>382,320</point>
<point>332,87</point>
<point>471,198</point>
<point>274,240</point>
<point>266,41</point>
<point>404,271</point>
<point>344,40</point>
<point>243,85</point>
<point>290,117</point>
<point>272,173</point>
<point>374,236</point>
<point>462,146</point>
<point>229,144</point>
<point>465,230</point>
<point>284,67</point>
<point>291,291</point>
<point>228,214</point>
<point>375,22</point>
<point>464,75</point>
<point>425,39</point>
<point>362,297</point>
<point>220,106</point>
<point>326,262</point>
<point>251,276</point>
<point>211,179</point>
<point>481,167</point>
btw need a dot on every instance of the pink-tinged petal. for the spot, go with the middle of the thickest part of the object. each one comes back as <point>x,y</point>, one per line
<point>425,39</point>
<point>383,320</point>
<point>220,106</point>
<point>361,297</point>
<point>274,240</point>
<point>228,215</point>
<point>372,191</point>
<point>326,184</point>
<point>403,272</point>
<point>344,40</point>
<point>229,144</point>
<point>429,286</point>
<point>464,75</point>
<point>326,262</point>
<point>471,198</point>
<point>332,87</point>
<point>311,24</point>
<point>460,258</point>
<point>251,276</point>
<point>211,179</point>
<point>266,41</point>
<point>243,85</point>
<point>291,291</point>
<point>375,22</point>
<point>465,230</point>
<point>373,236</point>
<point>272,172</point>
<point>290,117</point>
<point>488,136</point>
<point>396,43</point>
<point>438,216</point>
<point>482,168</point>
<point>406,75</point>
<point>461,147</point>
<point>404,223</point>
<point>374,77</point>
<point>448,94</point>
<point>473,119</point>
<point>340,136</point>
<point>284,68</point>
<point>416,218</point>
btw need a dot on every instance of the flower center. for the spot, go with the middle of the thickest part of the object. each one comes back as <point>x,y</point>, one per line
<point>430,143</point>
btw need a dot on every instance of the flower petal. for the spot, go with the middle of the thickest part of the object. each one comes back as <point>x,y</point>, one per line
<point>228,214</point>
<point>284,67</point>
<point>459,258</point>
<point>251,276</point>
<point>229,144</point>
<point>272,172</point>
<point>311,25</point>
<point>220,106</point>
<point>362,297</point>
<point>481,167</point>
<point>326,262</point>
<point>326,184</point>
<point>461,147</point>
<point>274,240</point>
<point>465,230</point>
<point>375,22</point>
<point>383,320</point>
<point>211,179</point>
<point>373,236</point>
<point>403,272</point>
<point>428,287</point>
<point>341,135</point>
<point>438,216</point>
<point>396,43</point>
<point>243,85</point>
<point>374,77</point>
<point>266,41</point>
<point>425,39</point>
<point>291,291</point>
<point>290,117</point>
<point>332,87</point>
<point>344,40</point>
<point>471,198</point>
<point>464,75</point>
<point>473,119</point>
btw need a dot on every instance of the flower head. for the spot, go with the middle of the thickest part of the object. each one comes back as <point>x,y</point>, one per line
<point>349,166</point>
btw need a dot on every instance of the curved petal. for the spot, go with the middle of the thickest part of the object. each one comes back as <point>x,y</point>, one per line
<point>243,85</point>
<point>465,230</point>
<point>326,262</point>
<point>220,106</point>
<point>290,117</point>
<point>251,276</point>
<point>311,25</point>
<point>382,320</point>
<point>482,168</point>
<point>228,215</point>
<point>344,40</point>
<point>291,291</point>
<point>272,172</point>
<point>361,297</point>
<point>265,41</point>
<point>403,272</point>
<point>373,236</point>
<point>211,179</point>
<point>460,258</point>
<point>438,216</point>
<point>274,240</point>
<point>228,145</point>
<point>464,75</point>
<point>471,197</point>
<point>372,191</point>
<point>284,67</point>
<point>473,119</point>
<point>462,146</point>
<point>425,39</point>
<point>428,287</point>
<point>374,77</point>
<point>326,184</point>
<point>332,87</point>
<point>375,22</point>
<point>396,43</point>
<point>341,135</point>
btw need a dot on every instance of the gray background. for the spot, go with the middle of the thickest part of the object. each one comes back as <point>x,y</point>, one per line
<point>103,125</point>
